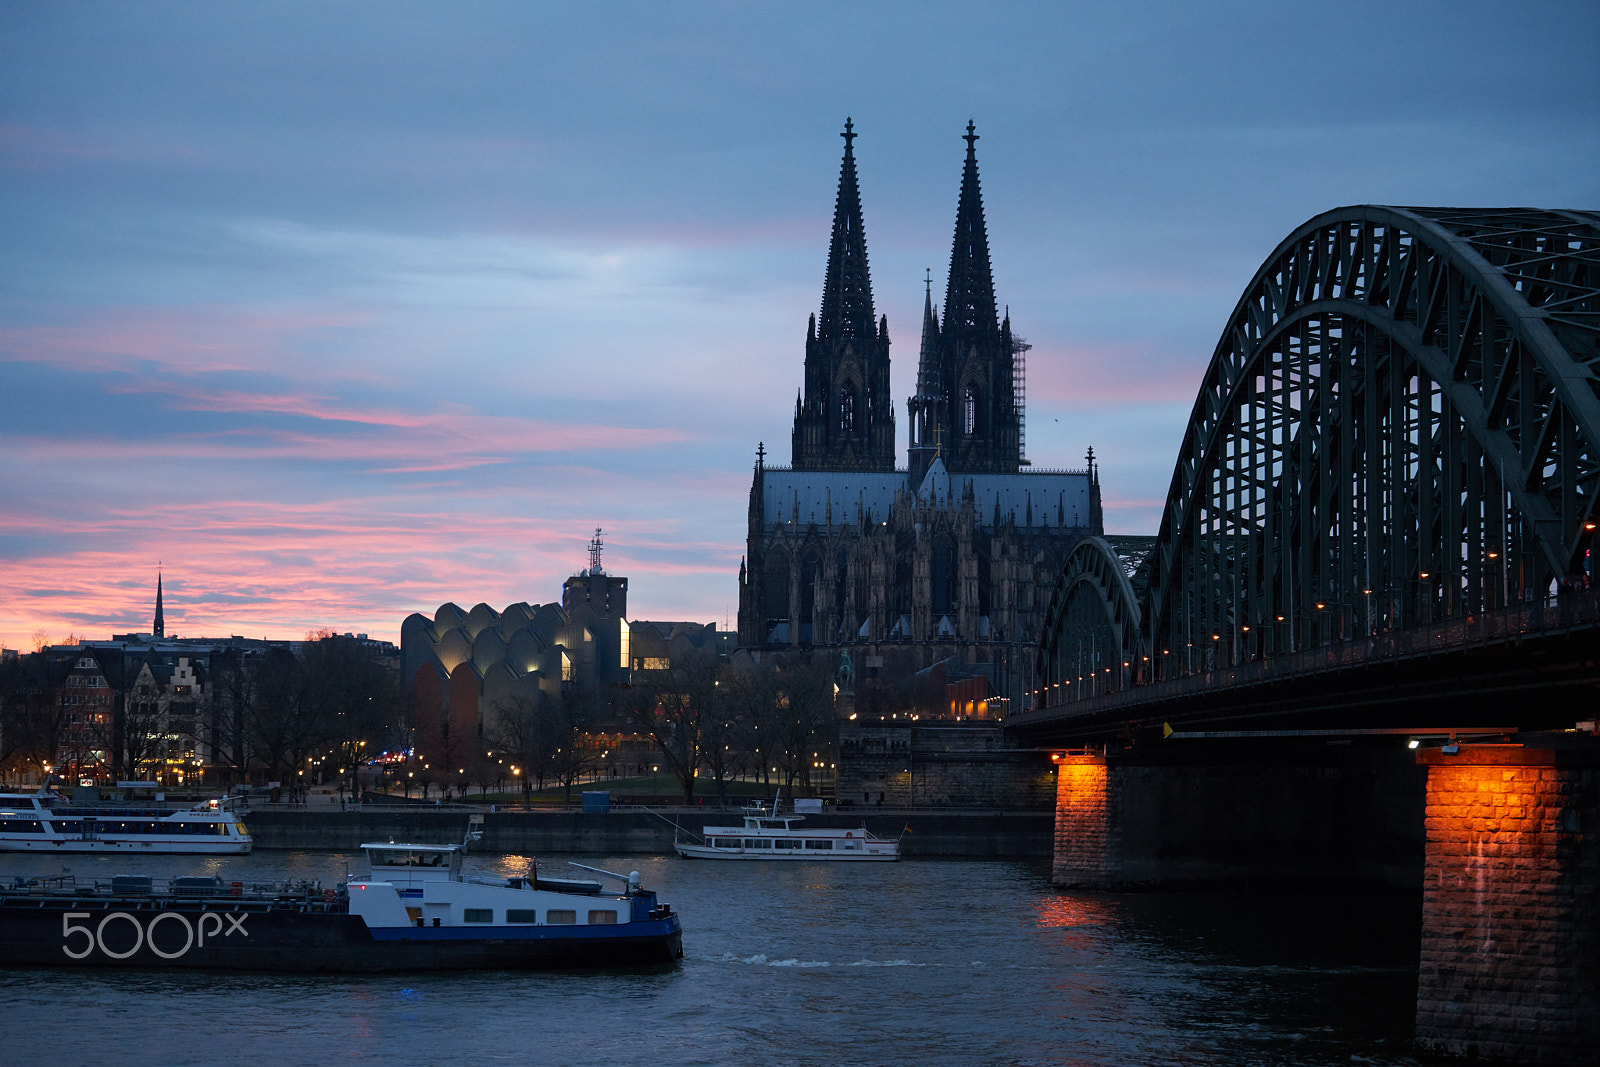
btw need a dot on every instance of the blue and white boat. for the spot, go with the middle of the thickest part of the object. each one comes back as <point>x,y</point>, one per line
<point>417,909</point>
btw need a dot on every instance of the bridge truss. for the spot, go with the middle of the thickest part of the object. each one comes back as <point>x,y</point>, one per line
<point>1400,426</point>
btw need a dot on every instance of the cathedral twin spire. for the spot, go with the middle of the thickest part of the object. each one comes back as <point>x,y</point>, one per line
<point>843,417</point>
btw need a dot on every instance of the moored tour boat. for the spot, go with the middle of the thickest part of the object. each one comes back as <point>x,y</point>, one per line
<point>48,822</point>
<point>416,910</point>
<point>769,835</point>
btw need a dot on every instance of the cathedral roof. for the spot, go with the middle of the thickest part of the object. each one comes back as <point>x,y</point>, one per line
<point>935,487</point>
<point>1031,499</point>
<point>969,304</point>
<point>847,290</point>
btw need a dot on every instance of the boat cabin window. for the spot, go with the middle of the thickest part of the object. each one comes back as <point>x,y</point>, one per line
<point>521,915</point>
<point>21,826</point>
<point>785,842</point>
<point>757,842</point>
<point>387,857</point>
<point>726,842</point>
<point>477,915</point>
<point>602,918</point>
<point>819,844</point>
<point>774,824</point>
<point>848,843</point>
<point>561,917</point>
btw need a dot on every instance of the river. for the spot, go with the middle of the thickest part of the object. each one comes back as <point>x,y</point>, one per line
<point>921,962</point>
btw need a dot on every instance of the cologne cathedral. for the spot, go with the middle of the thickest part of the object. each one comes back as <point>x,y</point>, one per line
<point>954,555</point>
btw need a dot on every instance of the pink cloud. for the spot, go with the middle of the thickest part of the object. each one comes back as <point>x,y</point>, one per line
<point>1080,374</point>
<point>214,338</point>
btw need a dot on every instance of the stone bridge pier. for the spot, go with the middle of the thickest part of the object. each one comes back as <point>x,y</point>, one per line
<point>1501,841</point>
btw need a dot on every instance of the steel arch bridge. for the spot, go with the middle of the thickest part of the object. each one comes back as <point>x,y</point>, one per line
<point>1399,426</point>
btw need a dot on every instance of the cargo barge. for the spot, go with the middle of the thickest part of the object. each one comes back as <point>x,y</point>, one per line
<point>417,910</point>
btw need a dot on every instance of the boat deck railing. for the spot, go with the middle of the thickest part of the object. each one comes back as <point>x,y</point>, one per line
<point>159,892</point>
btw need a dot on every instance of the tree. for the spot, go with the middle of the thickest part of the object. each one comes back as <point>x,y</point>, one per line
<point>521,732</point>
<point>33,720</point>
<point>573,714</point>
<point>804,723</point>
<point>280,722</point>
<point>351,698</point>
<point>675,712</point>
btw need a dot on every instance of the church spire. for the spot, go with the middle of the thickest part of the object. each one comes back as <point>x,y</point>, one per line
<point>928,363</point>
<point>847,290</point>
<point>159,627</point>
<point>969,304</point>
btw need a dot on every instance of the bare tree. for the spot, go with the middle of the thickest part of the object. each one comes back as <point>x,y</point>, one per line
<point>804,723</point>
<point>521,731</point>
<point>351,698</point>
<point>676,711</point>
<point>573,714</point>
<point>279,722</point>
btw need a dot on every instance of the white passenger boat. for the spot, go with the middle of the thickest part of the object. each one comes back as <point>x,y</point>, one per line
<point>48,822</point>
<point>769,835</point>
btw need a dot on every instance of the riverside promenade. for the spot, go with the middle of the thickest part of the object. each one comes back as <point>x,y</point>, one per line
<point>987,834</point>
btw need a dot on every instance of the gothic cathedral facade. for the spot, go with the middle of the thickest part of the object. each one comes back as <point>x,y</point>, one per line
<point>954,554</point>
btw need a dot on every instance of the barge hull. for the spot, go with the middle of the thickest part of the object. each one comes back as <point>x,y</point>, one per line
<point>224,935</point>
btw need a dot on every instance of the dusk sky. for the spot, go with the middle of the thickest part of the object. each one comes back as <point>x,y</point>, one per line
<point>340,310</point>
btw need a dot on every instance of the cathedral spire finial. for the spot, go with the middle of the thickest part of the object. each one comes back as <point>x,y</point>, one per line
<point>847,290</point>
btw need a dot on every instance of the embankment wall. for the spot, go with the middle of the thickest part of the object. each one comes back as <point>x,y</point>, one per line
<point>990,835</point>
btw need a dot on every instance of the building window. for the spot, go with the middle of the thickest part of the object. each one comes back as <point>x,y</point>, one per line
<point>970,410</point>
<point>847,409</point>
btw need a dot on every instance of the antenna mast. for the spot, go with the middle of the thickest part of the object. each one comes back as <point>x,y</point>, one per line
<point>594,552</point>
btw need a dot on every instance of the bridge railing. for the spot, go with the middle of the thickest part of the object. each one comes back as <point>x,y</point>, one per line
<point>1574,610</point>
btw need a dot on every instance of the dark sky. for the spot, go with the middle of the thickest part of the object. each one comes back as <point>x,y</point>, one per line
<point>344,310</point>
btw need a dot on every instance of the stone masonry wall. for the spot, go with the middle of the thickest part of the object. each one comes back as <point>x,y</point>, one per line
<point>1511,906</point>
<point>1087,826</point>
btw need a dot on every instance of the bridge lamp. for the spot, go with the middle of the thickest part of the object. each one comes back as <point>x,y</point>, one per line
<point>1413,743</point>
<point>1588,526</point>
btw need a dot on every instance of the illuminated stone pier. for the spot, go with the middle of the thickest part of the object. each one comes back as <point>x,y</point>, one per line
<point>1511,905</point>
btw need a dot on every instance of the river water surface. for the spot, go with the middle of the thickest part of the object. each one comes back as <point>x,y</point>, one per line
<point>921,962</point>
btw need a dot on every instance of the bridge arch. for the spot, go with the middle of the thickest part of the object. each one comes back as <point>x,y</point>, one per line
<point>1400,424</point>
<point>1092,639</point>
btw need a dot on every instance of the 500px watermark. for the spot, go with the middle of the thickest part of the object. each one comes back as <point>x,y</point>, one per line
<point>206,924</point>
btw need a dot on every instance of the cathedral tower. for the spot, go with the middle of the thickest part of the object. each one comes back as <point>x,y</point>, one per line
<point>979,425</point>
<point>844,418</point>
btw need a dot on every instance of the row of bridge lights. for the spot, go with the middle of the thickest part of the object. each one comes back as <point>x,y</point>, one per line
<point>1321,605</point>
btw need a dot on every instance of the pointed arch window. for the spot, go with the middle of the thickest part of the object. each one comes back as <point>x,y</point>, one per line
<point>847,408</point>
<point>969,410</point>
